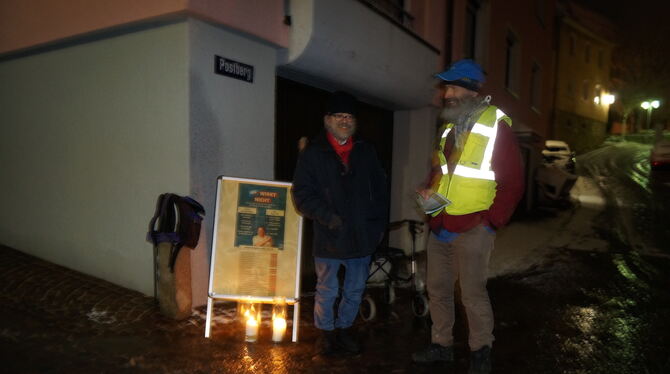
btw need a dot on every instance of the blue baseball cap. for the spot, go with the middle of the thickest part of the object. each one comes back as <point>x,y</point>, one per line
<point>465,73</point>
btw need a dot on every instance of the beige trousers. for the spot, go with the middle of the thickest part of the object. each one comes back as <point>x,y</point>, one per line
<point>465,259</point>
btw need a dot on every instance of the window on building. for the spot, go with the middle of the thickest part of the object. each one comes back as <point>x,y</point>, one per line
<point>539,11</point>
<point>535,86</point>
<point>470,29</point>
<point>475,43</point>
<point>395,9</point>
<point>572,45</point>
<point>601,58</point>
<point>585,89</point>
<point>512,57</point>
<point>587,53</point>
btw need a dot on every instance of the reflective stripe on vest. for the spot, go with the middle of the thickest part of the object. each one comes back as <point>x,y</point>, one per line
<point>481,197</point>
<point>484,171</point>
<point>443,161</point>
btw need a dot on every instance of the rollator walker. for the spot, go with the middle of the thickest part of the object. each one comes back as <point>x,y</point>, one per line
<point>386,270</point>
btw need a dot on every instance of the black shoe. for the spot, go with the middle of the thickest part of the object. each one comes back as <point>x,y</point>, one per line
<point>480,361</point>
<point>347,342</point>
<point>434,353</point>
<point>328,343</point>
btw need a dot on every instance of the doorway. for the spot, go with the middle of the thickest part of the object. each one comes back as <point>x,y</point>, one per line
<point>299,112</point>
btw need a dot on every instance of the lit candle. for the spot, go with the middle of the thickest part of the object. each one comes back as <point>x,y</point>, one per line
<point>278,328</point>
<point>252,330</point>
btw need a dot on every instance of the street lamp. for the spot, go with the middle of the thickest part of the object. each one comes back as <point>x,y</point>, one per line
<point>649,106</point>
<point>604,99</point>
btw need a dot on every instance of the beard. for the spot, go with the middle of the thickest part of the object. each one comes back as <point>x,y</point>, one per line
<point>458,110</point>
<point>462,112</point>
<point>341,132</point>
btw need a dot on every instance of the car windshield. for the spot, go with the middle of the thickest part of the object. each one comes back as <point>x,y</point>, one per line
<point>556,149</point>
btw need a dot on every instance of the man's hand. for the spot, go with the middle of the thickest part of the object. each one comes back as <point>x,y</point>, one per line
<point>335,222</point>
<point>425,193</point>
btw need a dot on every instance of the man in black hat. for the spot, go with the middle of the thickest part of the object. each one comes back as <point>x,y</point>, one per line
<point>341,186</point>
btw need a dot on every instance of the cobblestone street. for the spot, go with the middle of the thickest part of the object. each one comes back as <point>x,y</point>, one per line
<point>568,297</point>
<point>58,320</point>
<point>581,312</point>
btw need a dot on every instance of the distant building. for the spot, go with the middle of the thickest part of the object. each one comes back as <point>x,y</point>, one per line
<point>582,77</point>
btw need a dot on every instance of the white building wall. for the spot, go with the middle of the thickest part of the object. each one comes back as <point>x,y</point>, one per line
<point>232,124</point>
<point>370,56</point>
<point>92,133</point>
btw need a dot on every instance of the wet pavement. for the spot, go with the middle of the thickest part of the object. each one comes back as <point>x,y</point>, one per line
<point>590,303</point>
<point>637,196</point>
<point>580,312</point>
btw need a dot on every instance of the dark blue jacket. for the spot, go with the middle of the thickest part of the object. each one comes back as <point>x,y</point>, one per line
<point>323,187</point>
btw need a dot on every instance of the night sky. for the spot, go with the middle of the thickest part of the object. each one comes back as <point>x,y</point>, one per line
<point>635,18</point>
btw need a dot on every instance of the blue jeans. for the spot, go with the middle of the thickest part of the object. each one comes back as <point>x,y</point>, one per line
<point>327,286</point>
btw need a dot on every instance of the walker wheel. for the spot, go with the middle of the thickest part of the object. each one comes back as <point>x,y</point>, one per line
<point>420,305</point>
<point>368,309</point>
<point>389,293</point>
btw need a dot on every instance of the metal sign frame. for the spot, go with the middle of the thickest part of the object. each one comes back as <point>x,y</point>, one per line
<point>212,295</point>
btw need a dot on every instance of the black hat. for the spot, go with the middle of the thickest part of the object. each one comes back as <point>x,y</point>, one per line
<point>341,102</point>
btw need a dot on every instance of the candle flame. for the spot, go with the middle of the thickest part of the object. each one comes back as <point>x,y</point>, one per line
<point>249,312</point>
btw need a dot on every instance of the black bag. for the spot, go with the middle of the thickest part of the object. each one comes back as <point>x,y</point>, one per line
<point>179,220</point>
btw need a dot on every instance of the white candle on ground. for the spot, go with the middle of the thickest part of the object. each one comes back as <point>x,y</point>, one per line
<point>252,330</point>
<point>278,328</point>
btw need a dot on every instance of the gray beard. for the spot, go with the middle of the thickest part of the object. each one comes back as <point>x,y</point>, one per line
<point>463,116</point>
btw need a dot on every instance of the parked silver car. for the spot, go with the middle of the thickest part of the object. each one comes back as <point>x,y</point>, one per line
<point>557,152</point>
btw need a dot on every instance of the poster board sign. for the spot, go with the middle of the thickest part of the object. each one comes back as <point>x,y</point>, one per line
<point>256,243</point>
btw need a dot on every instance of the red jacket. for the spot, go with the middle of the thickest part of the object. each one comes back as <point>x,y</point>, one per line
<point>506,163</point>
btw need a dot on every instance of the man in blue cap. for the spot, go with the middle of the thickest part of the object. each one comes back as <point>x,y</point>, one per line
<point>477,169</point>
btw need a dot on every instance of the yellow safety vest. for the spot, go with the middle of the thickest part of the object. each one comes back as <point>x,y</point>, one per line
<point>472,187</point>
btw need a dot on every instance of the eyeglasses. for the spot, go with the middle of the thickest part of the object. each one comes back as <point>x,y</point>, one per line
<point>343,116</point>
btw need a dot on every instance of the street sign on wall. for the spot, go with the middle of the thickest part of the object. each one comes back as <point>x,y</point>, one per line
<point>233,69</point>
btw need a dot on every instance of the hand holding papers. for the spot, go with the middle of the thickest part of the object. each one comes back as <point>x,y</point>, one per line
<point>433,203</point>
